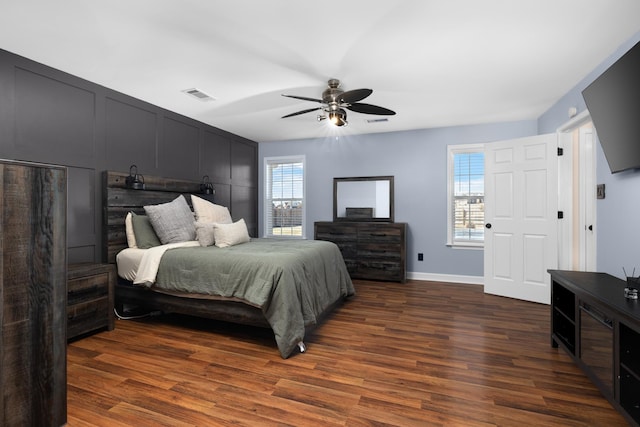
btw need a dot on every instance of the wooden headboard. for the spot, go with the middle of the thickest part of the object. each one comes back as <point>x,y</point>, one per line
<point>118,200</point>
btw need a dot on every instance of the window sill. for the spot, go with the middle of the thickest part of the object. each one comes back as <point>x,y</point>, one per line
<point>472,246</point>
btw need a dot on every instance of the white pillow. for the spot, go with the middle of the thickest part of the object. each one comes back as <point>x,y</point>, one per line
<point>204,233</point>
<point>128,226</point>
<point>230,234</point>
<point>210,212</point>
<point>173,222</point>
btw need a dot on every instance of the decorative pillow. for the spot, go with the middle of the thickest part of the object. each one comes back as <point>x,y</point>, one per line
<point>204,233</point>
<point>210,212</point>
<point>143,231</point>
<point>128,226</point>
<point>230,234</point>
<point>173,222</point>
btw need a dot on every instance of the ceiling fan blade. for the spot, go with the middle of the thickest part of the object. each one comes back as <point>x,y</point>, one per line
<point>370,109</point>
<point>355,95</point>
<point>304,98</point>
<point>302,112</point>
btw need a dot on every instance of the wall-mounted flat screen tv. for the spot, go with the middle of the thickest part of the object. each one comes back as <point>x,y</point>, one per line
<point>613,100</point>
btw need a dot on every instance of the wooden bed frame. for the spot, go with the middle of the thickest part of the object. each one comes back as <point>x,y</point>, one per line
<point>117,201</point>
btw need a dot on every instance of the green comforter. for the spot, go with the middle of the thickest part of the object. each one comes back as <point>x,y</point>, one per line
<point>292,281</point>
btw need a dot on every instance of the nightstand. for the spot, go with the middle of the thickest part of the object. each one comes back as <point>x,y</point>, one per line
<point>90,290</point>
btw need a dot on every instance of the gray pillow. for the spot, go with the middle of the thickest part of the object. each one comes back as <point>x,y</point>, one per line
<point>204,233</point>
<point>173,222</point>
<point>145,236</point>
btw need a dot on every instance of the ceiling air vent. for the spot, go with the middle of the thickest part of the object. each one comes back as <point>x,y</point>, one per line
<point>197,93</point>
<point>384,119</point>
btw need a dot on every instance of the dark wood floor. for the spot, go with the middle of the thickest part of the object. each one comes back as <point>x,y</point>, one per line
<point>414,354</point>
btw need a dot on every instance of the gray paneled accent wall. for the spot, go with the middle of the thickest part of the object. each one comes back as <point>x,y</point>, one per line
<point>49,116</point>
<point>130,135</point>
<point>178,148</point>
<point>54,120</point>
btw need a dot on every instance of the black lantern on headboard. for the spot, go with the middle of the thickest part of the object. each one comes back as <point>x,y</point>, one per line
<point>207,186</point>
<point>134,181</point>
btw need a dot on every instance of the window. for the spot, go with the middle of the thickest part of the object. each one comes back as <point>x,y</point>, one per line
<point>284,197</point>
<point>466,195</point>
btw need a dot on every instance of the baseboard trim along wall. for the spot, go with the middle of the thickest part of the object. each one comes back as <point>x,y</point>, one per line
<point>447,278</point>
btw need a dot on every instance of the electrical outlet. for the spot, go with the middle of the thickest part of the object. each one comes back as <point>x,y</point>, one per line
<point>420,257</point>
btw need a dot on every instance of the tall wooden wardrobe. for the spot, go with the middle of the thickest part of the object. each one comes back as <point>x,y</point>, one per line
<point>33,294</point>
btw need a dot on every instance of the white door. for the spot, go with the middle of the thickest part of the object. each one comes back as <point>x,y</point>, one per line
<point>521,199</point>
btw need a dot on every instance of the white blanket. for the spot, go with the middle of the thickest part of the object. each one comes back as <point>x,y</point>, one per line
<point>148,269</point>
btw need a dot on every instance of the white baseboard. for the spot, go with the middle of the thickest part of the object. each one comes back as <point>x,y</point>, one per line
<point>448,278</point>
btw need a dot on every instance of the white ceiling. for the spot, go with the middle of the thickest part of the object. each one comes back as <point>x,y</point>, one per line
<point>435,62</point>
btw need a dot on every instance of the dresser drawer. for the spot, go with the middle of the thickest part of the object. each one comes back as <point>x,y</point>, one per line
<point>388,251</point>
<point>380,270</point>
<point>348,249</point>
<point>336,233</point>
<point>380,234</point>
<point>352,265</point>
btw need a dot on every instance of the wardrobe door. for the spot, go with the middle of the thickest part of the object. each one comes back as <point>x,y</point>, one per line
<point>32,295</point>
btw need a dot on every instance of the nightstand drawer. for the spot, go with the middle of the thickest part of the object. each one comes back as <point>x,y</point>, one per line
<point>87,288</point>
<point>87,316</point>
<point>90,289</point>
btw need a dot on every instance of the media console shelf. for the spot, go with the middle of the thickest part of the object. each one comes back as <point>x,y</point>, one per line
<point>600,329</point>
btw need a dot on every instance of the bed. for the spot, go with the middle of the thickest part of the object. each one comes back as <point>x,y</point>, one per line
<point>287,285</point>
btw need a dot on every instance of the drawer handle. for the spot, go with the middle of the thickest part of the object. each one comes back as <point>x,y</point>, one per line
<point>88,290</point>
<point>379,234</point>
<point>91,313</point>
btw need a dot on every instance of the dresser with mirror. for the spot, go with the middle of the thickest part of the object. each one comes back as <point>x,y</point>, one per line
<point>372,244</point>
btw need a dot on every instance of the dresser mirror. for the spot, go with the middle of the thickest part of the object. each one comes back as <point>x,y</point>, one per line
<point>367,198</point>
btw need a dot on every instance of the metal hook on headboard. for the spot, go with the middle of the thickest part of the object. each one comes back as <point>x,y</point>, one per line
<point>207,186</point>
<point>134,181</point>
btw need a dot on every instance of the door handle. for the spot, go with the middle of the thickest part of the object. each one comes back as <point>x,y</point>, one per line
<point>488,225</point>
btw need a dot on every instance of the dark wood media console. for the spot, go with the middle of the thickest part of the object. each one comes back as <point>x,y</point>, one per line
<point>600,329</point>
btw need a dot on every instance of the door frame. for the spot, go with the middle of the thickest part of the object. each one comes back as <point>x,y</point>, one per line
<point>567,188</point>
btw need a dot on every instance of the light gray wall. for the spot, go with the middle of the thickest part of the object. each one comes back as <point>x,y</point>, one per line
<point>618,224</point>
<point>418,162</point>
<point>417,159</point>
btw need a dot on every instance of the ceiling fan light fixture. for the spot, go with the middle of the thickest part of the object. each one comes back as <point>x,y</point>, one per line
<point>338,118</point>
<point>335,102</point>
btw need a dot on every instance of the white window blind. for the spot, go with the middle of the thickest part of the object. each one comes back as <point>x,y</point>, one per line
<point>466,195</point>
<point>284,197</point>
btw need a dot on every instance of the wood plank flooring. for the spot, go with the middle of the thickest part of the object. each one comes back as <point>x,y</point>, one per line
<point>414,354</point>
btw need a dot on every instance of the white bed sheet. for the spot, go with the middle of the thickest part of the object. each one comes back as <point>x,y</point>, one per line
<point>128,260</point>
<point>140,266</point>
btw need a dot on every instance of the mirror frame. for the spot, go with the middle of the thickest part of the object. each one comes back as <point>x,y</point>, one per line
<point>336,181</point>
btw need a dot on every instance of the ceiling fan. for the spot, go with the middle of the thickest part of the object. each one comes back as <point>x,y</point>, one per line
<point>335,101</point>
